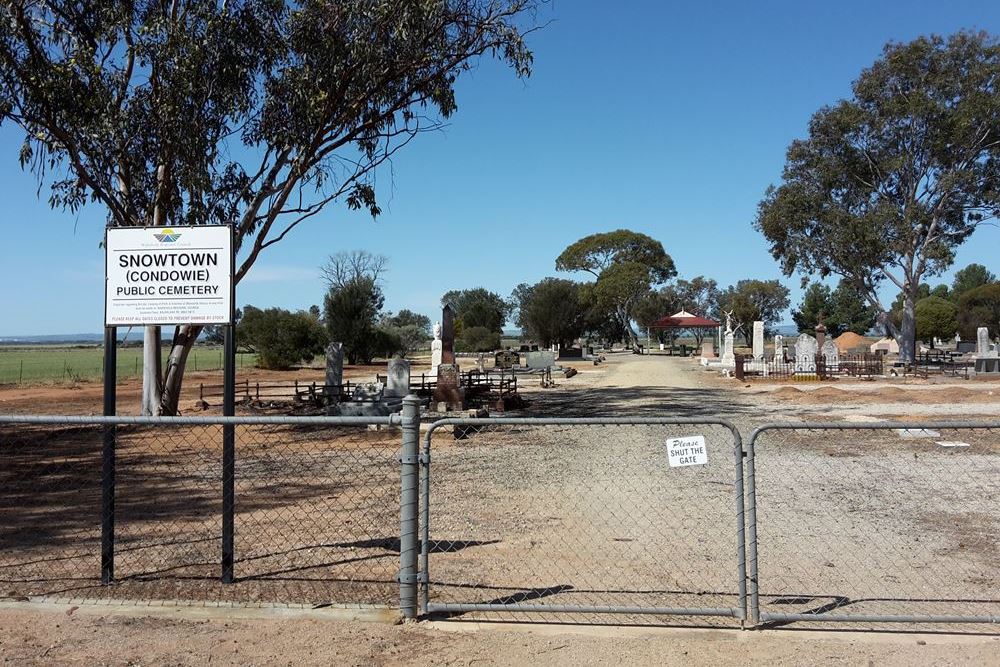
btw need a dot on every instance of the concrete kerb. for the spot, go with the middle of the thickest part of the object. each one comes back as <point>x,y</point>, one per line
<point>202,610</point>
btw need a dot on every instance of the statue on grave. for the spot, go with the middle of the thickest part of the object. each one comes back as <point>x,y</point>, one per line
<point>437,331</point>
<point>729,321</point>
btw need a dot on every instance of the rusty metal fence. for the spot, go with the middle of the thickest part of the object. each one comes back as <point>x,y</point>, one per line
<point>862,525</point>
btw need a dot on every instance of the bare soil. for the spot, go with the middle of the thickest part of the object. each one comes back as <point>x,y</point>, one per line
<point>854,521</point>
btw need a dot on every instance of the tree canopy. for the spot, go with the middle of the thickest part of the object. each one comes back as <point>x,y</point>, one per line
<point>627,265</point>
<point>254,113</point>
<point>936,318</point>
<point>842,309</point>
<point>969,278</point>
<point>890,181</point>
<point>979,307</point>
<point>551,311</point>
<point>478,307</point>
<point>280,338</point>
<point>753,300</point>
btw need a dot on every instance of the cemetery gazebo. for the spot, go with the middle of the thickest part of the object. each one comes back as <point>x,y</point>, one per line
<point>670,325</point>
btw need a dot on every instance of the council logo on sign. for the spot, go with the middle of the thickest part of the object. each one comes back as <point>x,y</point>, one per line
<point>168,236</point>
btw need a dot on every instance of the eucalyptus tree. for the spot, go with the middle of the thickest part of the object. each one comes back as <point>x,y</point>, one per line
<point>250,113</point>
<point>891,181</point>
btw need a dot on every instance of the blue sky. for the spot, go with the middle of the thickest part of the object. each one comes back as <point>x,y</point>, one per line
<point>662,117</point>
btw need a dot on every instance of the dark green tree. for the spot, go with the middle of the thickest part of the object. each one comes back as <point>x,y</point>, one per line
<point>477,339</point>
<point>979,307</point>
<point>936,318</point>
<point>850,310</point>
<point>626,264</point>
<point>817,302</point>
<point>971,277</point>
<point>893,179</point>
<point>280,338</point>
<point>479,307</point>
<point>350,312</point>
<point>752,300</point>
<point>551,311</point>
<point>405,318</point>
<point>254,113</point>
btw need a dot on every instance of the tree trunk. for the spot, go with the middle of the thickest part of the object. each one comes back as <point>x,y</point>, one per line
<point>152,386</point>
<point>908,332</point>
<point>184,338</point>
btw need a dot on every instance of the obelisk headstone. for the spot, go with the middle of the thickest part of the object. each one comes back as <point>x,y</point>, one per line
<point>447,391</point>
<point>758,340</point>
<point>447,335</point>
<point>335,364</point>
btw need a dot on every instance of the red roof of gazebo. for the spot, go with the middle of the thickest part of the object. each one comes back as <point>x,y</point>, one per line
<point>683,320</point>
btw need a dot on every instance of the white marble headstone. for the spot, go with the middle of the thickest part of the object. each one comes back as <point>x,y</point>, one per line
<point>728,358</point>
<point>758,340</point>
<point>805,354</point>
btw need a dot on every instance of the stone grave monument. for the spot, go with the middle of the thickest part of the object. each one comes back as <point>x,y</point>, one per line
<point>397,383</point>
<point>805,354</point>
<point>448,391</point>
<point>831,353</point>
<point>758,340</point>
<point>779,349</point>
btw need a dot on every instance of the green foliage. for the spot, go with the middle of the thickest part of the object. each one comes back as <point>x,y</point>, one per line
<point>936,318</point>
<point>478,307</point>
<point>477,339</point>
<point>752,300</point>
<point>969,278</point>
<point>350,312</point>
<point>896,177</point>
<point>598,252</point>
<point>406,318</point>
<point>280,338</point>
<point>851,311</point>
<point>655,304</point>
<point>941,292</point>
<point>406,339</point>
<point>843,309</point>
<point>627,265</point>
<point>979,307</point>
<point>816,303</point>
<point>551,311</point>
<point>698,296</point>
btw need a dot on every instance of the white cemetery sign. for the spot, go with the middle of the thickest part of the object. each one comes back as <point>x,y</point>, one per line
<point>168,275</point>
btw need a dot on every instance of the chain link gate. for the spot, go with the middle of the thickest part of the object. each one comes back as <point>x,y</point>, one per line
<point>581,517</point>
<point>874,523</point>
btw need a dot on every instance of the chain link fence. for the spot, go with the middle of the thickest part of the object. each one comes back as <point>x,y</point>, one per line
<point>874,524</point>
<point>591,520</point>
<point>316,515</point>
<point>582,517</point>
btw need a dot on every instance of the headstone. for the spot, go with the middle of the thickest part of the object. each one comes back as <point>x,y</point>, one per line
<point>779,348</point>
<point>397,378</point>
<point>758,340</point>
<point>447,335</point>
<point>728,358</point>
<point>805,354</point>
<point>540,360</point>
<point>707,349</point>
<point>506,359</point>
<point>983,347</point>
<point>447,391</point>
<point>436,347</point>
<point>831,353</point>
<point>335,364</point>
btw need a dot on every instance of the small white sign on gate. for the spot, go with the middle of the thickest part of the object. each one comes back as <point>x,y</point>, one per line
<point>690,451</point>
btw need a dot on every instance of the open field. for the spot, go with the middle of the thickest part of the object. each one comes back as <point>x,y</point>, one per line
<point>53,364</point>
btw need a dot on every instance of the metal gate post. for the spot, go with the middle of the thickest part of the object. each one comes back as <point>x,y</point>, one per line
<point>408,505</point>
